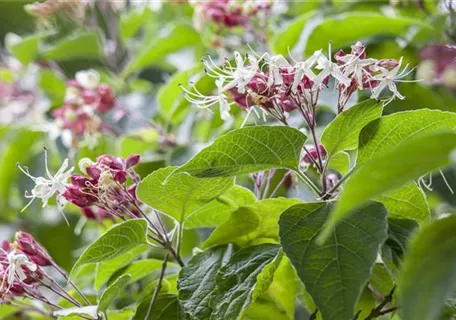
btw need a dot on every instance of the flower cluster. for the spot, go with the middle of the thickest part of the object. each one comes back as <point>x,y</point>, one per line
<point>45,11</point>
<point>101,191</point>
<point>228,13</point>
<point>21,265</point>
<point>279,87</point>
<point>86,100</point>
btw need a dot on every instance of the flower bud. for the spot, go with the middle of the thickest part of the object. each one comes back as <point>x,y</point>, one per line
<point>312,155</point>
<point>34,251</point>
<point>132,161</point>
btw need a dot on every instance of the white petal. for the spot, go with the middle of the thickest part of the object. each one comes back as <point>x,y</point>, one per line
<point>90,311</point>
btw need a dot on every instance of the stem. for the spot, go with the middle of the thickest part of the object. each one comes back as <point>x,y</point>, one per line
<point>274,192</point>
<point>320,158</point>
<point>377,311</point>
<point>64,295</point>
<point>313,316</point>
<point>268,183</point>
<point>339,183</point>
<point>309,182</point>
<point>157,288</point>
<point>75,287</point>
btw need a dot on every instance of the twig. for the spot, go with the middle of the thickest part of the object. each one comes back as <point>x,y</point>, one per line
<point>63,273</point>
<point>309,182</point>
<point>377,311</point>
<point>157,289</point>
<point>313,316</point>
<point>338,184</point>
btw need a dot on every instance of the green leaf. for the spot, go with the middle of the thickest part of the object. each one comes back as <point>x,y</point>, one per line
<point>26,50</point>
<point>179,195</point>
<point>336,273</point>
<point>218,210</point>
<point>196,282</point>
<point>285,40</point>
<point>112,292</point>
<point>354,26</point>
<point>386,133</point>
<point>107,268</point>
<point>428,273</point>
<point>264,308</point>
<point>153,52</point>
<point>245,277</point>
<point>166,307</point>
<point>53,86</point>
<point>84,45</point>
<point>118,240</point>
<point>409,160</point>
<point>142,268</point>
<point>248,150</point>
<point>343,132</point>
<point>407,202</point>
<point>252,224</point>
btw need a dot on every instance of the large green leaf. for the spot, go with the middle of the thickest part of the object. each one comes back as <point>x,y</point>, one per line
<point>354,26</point>
<point>252,224</point>
<point>248,150</point>
<point>384,134</point>
<point>334,273</point>
<point>112,292</point>
<point>197,282</point>
<point>179,195</point>
<point>245,277</point>
<point>166,307</point>
<point>106,269</point>
<point>218,210</point>
<point>408,161</point>
<point>285,40</point>
<point>118,240</point>
<point>343,132</point>
<point>154,50</point>
<point>428,274</point>
<point>80,45</point>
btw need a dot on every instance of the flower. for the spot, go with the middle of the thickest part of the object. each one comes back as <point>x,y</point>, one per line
<point>387,78</point>
<point>88,79</point>
<point>34,250</point>
<point>45,188</point>
<point>15,269</point>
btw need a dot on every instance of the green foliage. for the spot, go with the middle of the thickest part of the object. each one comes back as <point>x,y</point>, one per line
<point>80,45</point>
<point>428,267</point>
<point>179,195</point>
<point>248,150</point>
<point>112,292</point>
<point>334,273</point>
<point>113,243</point>
<point>165,308</point>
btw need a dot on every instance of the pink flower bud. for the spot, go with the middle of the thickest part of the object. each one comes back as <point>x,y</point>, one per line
<point>93,172</point>
<point>34,251</point>
<point>132,161</point>
<point>313,154</point>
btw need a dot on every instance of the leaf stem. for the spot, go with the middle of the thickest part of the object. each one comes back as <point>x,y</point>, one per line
<point>309,182</point>
<point>338,184</point>
<point>157,289</point>
<point>377,311</point>
<point>63,273</point>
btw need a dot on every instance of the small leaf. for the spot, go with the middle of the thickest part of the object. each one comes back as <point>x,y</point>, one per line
<point>407,202</point>
<point>248,150</point>
<point>179,195</point>
<point>252,224</point>
<point>245,277</point>
<point>339,162</point>
<point>196,282</point>
<point>26,50</point>
<point>429,267</point>
<point>53,86</point>
<point>78,45</point>
<point>112,292</point>
<point>410,160</point>
<point>118,240</point>
<point>166,307</point>
<point>354,26</point>
<point>218,210</point>
<point>343,132</point>
<point>336,273</point>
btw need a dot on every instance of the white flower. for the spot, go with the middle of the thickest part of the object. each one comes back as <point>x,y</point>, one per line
<point>88,79</point>
<point>302,69</point>
<point>275,64</point>
<point>224,105</point>
<point>45,188</point>
<point>236,77</point>
<point>72,95</point>
<point>328,68</point>
<point>387,78</point>
<point>14,270</point>
<point>354,67</point>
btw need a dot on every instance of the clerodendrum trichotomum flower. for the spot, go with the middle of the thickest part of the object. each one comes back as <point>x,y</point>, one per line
<point>278,86</point>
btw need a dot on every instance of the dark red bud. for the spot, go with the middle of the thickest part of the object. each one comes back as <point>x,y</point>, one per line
<point>132,160</point>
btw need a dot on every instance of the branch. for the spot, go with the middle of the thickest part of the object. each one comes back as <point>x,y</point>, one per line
<point>377,312</point>
<point>157,289</point>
